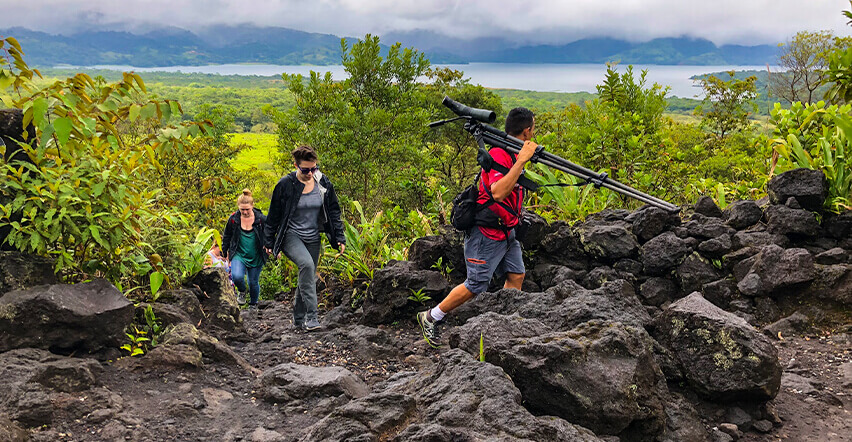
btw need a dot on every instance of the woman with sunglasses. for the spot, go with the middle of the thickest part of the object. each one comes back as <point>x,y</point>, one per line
<point>303,205</point>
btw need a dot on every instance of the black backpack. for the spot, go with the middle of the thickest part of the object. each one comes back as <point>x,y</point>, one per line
<point>466,209</point>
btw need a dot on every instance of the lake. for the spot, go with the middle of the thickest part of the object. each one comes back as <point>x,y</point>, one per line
<point>533,77</point>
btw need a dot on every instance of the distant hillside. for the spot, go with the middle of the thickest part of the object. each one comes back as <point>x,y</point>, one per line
<point>251,44</point>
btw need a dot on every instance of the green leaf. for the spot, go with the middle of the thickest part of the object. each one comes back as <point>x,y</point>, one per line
<point>134,112</point>
<point>156,279</point>
<point>39,110</point>
<point>63,128</point>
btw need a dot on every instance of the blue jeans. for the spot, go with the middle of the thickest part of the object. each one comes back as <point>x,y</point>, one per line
<point>238,274</point>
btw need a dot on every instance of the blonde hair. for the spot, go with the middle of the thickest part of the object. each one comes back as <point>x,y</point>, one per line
<point>245,198</point>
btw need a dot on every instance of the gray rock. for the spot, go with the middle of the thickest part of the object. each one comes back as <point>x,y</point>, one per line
<point>388,297</point>
<point>757,239</point>
<point>721,293</point>
<point>838,226</point>
<point>19,271</point>
<point>731,260</point>
<point>533,231</point>
<point>614,301</point>
<point>367,342</point>
<point>742,214</point>
<point>707,228</point>
<point>562,246</point>
<point>65,318</point>
<point>786,221</point>
<point>287,382</point>
<point>832,256</point>
<point>707,207</point>
<point>663,253</point>
<point>731,430</point>
<point>775,268</point>
<point>717,247</point>
<point>656,291</point>
<point>797,323</point>
<point>608,242</point>
<point>807,186</point>
<point>682,422</point>
<point>549,275</point>
<point>600,275</point>
<point>739,417</point>
<point>721,355</point>
<point>449,247</point>
<point>766,310</point>
<point>694,272</point>
<point>218,301</point>
<point>763,426</point>
<point>561,374</point>
<point>650,221</point>
<point>832,283</point>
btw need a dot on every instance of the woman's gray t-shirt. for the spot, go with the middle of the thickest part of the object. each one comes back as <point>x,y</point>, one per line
<point>305,220</point>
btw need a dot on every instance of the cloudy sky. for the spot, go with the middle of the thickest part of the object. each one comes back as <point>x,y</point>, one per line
<point>531,21</point>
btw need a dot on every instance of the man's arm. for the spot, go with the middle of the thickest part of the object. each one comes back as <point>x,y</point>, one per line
<point>502,188</point>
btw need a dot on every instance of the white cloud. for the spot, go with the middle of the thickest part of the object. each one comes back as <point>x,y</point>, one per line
<point>535,21</point>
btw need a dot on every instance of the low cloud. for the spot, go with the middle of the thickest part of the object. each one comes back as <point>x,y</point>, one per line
<point>723,21</point>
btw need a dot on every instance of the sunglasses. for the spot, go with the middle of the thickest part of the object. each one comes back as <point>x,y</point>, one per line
<point>307,170</point>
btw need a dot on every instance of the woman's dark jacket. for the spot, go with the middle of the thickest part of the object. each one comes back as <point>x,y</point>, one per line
<point>231,237</point>
<point>285,198</point>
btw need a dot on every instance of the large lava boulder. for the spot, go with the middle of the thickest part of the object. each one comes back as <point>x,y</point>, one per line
<point>65,318</point>
<point>601,375</point>
<point>721,355</point>
<point>462,399</point>
<point>808,186</point>
<point>388,298</point>
<point>19,271</point>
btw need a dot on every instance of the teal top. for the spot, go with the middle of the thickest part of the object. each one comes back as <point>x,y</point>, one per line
<point>247,250</point>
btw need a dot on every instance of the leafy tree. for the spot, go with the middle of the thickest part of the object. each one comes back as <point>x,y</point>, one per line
<point>804,60</point>
<point>839,72</point>
<point>199,179</point>
<point>79,194</point>
<point>727,104</point>
<point>619,133</point>
<point>368,128</point>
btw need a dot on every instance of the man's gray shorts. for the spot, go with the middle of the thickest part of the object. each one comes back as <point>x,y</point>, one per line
<point>485,256</point>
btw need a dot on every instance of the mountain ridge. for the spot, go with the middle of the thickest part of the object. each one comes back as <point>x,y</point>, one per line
<point>222,44</point>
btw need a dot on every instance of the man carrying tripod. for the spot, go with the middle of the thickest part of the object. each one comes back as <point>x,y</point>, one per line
<point>490,245</point>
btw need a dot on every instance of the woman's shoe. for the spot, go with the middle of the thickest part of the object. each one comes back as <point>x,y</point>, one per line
<point>312,324</point>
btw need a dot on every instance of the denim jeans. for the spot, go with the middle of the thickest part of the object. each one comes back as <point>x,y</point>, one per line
<point>306,256</point>
<point>238,274</point>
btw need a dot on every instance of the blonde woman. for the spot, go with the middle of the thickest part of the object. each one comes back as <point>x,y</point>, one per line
<point>243,243</point>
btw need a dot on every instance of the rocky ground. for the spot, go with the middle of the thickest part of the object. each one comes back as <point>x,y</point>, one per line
<point>709,326</point>
<point>220,401</point>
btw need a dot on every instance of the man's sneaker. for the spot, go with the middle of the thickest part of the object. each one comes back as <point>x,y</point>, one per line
<point>298,326</point>
<point>252,307</point>
<point>429,328</point>
<point>312,324</point>
<point>241,298</point>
